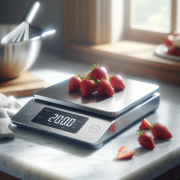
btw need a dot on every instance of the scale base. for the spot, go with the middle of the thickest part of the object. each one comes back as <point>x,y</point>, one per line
<point>92,137</point>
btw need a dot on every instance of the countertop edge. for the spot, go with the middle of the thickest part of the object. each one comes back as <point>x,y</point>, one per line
<point>158,167</point>
<point>22,170</point>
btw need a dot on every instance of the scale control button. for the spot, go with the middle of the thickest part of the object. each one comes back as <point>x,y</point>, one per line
<point>29,111</point>
<point>94,128</point>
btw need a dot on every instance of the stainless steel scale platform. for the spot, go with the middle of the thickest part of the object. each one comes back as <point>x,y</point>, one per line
<point>91,120</point>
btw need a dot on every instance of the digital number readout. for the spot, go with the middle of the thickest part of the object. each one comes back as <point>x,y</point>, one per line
<point>60,120</point>
<point>64,121</point>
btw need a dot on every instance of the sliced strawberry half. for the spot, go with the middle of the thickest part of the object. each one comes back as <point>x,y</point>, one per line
<point>144,125</point>
<point>125,152</point>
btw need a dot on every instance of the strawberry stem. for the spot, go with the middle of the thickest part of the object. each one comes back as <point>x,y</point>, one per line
<point>94,67</point>
<point>89,77</point>
<point>111,75</point>
<point>139,134</point>
<point>98,81</point>
<point>152,125</point>
<point>79,75</point>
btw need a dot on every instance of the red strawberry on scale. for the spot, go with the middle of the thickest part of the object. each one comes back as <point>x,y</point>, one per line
<point>74,82</point>
<point>104,87</point>
<point>117,81</point>
<point>98,72</point>
<point>87,86</point>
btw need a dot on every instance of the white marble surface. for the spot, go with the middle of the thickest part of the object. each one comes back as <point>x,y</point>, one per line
<point>36,156</point>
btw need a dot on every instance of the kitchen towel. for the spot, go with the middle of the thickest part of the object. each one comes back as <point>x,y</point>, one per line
<point>8,107</point>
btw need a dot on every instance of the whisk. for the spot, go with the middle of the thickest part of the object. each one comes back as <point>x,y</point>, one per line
<point>21,32</point>
<point>17,34</point>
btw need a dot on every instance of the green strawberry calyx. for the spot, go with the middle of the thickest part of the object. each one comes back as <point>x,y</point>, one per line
<point>89,77</point>
<point>79,75</point>
<point>98,81</point>
<point>111,75</point>
<point>94,67</point>
<point>152,125</point>
<point>141,133</point>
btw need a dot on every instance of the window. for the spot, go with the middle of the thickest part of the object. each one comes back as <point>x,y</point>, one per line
<point>151,15</point>
<point>94,31</point>
<point>151,20</point>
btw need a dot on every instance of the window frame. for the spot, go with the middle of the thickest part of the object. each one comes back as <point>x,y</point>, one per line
<point>83,40</point>
<point>145,35</point>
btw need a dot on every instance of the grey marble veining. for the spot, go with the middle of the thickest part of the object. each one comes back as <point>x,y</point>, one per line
<point>36,156</point>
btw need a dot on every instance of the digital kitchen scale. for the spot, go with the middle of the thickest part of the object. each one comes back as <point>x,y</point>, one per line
<point>91,120</point>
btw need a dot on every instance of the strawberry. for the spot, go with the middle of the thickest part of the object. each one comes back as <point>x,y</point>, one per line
<point>169,40</point>
<point>117,81</point>
<point>87,86</point>
<point>74,82</point>
<point>144,125</point>
<point>125,152</point>
<point>89,74</point>
<point>104,87</point>
<point>173,51</point>
<point>98,72</point>
<point>160,131</point>
<point>146,140</point>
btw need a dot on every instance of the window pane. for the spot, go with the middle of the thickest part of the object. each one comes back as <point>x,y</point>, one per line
<point>152,15</point>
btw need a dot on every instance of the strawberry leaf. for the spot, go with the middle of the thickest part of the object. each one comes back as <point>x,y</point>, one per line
<point>94,67</point>
<point>96,82</point>
<point>139,134</point>
<point>88,77</point>
<point>111,75</point>
<point>101,79</point>
<point>152,125</point>
<point>79,75</point>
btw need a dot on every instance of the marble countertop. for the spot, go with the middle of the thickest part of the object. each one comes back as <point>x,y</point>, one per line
<point>36,156</point>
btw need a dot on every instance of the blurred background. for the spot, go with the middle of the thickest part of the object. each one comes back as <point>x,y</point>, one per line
<point>152,15</point>
<point>148,15</point>
<point>125,32</point>
<point>49,16</point>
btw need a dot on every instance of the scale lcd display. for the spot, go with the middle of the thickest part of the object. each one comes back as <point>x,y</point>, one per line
<point>60,120</point>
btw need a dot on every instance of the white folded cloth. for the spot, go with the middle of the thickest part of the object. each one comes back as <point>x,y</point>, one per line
<point>8,107</point>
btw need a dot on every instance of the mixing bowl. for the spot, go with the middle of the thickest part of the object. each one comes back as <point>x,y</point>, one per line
<point>15,58</point>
